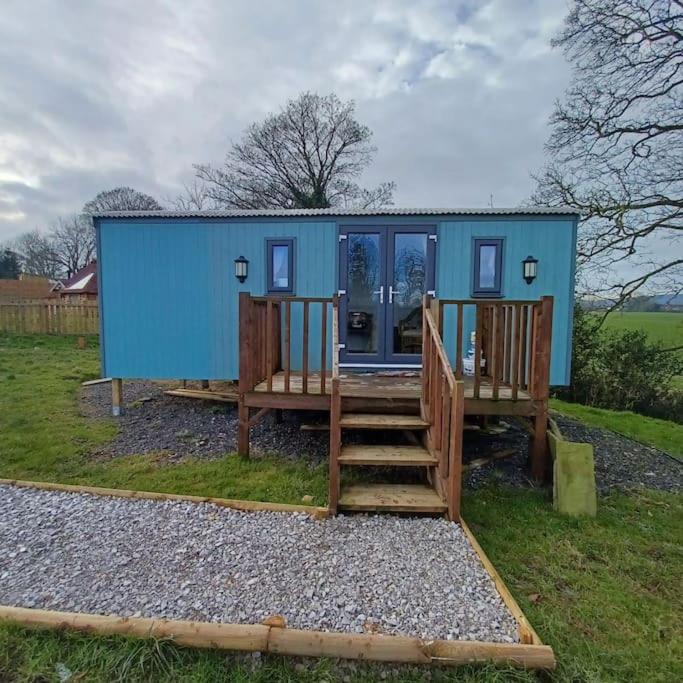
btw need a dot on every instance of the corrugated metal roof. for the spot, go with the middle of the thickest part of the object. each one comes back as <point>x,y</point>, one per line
<point>281,213</point>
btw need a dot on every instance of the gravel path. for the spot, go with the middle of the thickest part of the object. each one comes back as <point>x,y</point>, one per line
<point>78,552</point>
<point>181,427</point>
<point>621,463</point>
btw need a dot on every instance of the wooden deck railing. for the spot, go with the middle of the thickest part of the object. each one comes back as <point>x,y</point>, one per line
<point>265,336</point>
<point>443,406</point>
<point>512,338</point>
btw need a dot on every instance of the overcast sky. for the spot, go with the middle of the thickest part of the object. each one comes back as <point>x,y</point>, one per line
<point>96,94</point>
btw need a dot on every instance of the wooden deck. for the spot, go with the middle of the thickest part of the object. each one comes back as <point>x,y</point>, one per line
<point>367,385</point>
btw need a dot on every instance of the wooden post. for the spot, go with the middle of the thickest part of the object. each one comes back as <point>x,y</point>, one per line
<point>455,451</point>
<point>243,428</point>
<point>245,378</point>
<point>205,384</point>
<point>335,445</point>
<point>81,343</point>
<point>116,396</point>
<point>539,454</point>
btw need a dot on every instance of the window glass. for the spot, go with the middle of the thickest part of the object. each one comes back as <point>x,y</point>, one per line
<point>280,265</point>
<point>487,266</point>
<point>280,261</point>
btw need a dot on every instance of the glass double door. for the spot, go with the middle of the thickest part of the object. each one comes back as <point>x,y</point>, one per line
<point>384,273</point>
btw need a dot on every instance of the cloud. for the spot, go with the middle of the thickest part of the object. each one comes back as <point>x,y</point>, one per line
<point>98,94</point>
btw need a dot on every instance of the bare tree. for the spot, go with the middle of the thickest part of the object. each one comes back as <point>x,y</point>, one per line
<point>310,155</point>
<point>196,197</point>
<point>122,199</point>
<point>37,254</point>
<point>73,243</point>
<point>616,147</point>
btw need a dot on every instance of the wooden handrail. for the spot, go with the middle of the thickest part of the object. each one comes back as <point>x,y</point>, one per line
<point>442,406</point>
<point>438,344</point>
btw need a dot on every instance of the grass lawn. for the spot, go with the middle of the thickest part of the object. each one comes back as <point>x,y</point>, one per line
<point>662,434</point>
<point>605,592</point>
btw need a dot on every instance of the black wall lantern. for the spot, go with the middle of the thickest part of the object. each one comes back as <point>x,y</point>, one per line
<point>530,266</point>
<point>241,268</point>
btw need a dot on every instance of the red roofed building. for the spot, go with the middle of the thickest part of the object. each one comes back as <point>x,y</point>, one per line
<point>81,285</point>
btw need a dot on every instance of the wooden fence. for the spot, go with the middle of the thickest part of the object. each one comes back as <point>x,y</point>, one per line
<point>49,316</point>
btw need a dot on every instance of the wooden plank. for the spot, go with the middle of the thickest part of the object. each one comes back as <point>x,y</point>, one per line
<point>269,344</point>
<point>391,498</point>
<point>454,482</point>
<point>415,456</point>
<point>220,396</point>
<point>258,416</point>
<point>257,399</point>
<point>477,350</point>
<point>459,342</point>
<point>496,360</point>
<point>246,378</point>
<point>248,637</point>
<point>267,637</point>
<point>246,505</point>
<point>304,361</point>
<point>523,341</point>
<point>288,344</point>
<point>516,340</point>
<point>369,421</point>
<point>323,348</point>
<point>91,382</point>
<point>527,635</point>
<point>335,445</point>
<point>455,652</point>
<point>482,462</point>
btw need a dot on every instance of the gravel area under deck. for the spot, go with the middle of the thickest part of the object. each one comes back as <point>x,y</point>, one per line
<point>384,574</point>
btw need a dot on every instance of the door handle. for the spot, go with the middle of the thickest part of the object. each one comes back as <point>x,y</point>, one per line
<point>392,291</point>
<point>380,291</point>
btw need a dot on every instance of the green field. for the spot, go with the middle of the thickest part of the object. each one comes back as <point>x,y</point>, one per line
<point>664,327</point>
<point>603,592</point>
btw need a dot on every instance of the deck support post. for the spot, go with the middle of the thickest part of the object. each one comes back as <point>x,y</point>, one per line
<point>243,428</point>
<point>538,446</point>
<point>246,382</point>
<point>277,414</point>
<point>116,396</point>
<point>205,384</point>
<point>539,452</point>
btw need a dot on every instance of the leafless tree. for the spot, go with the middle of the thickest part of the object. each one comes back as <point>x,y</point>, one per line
<point>196,197</point>
<point>37,254</point>
<point>121,199</point>
<point>309,155</point>
<point>616,147</point>
<point>73,243</point>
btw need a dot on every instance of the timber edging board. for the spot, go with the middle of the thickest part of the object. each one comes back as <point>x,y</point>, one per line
<point>529,653</point>
<point>285,641</point>
<point>245,505</point>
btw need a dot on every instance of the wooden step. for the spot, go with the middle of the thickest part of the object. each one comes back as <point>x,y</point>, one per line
<point>372,421</point>
<point>391,498</point>
<point>415,456</point>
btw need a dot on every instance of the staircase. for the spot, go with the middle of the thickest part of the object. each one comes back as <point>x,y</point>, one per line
<point>434,433</point>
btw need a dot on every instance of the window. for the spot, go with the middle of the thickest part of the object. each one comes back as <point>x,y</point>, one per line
<point>280,265</point>
<point>488,267</point>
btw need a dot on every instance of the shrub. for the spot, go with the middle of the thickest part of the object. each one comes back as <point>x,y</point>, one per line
<point>622,370</point>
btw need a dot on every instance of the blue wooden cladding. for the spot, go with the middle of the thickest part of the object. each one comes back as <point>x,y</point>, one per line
<point>169,295</point>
